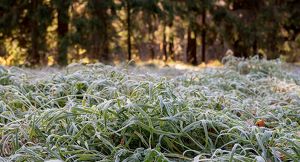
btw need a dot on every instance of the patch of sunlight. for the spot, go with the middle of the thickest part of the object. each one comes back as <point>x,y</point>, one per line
<point>16,54</point>
<point>178,64</point>
<point>50,60</point>
<point>2,61</point>
<point>286,47</point>
<point>281,86</point>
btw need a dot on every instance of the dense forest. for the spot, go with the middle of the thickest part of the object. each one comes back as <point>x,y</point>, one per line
<point>59,32</point>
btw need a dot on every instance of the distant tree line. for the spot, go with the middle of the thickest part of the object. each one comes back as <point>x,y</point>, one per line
<point>36,32</point>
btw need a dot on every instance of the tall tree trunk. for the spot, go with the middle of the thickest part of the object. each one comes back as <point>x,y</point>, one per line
<point>238,49</point>
<point>171,49</point>
<point>171,44</point>
<point>273,53</point>
<point>151,33</point>
<point>105,40</point>
<point>105,44</point>
<point>96,42</point>
<point>128,29</point>
<point>3,52</point>
<point>255,34</point>
<point>34,56</point>
<point>96,32</point>
<point>62,31</point>
<point>255,48</point>
<point>100,30</point>
<point>164,44</point>
<point>203,36</point>
<point>191,47</point>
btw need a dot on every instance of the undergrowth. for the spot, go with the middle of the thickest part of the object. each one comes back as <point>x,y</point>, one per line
<point>248,110</point>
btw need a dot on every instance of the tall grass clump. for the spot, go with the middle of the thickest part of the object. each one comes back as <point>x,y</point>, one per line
<point>247,110</point>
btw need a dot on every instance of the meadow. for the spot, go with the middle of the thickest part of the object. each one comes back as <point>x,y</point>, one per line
<point>246,110</point>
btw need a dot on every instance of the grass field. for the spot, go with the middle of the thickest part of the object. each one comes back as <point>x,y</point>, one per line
<point>248,110</point>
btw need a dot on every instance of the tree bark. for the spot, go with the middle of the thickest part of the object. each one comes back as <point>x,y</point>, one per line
<point>151,33</point>
<point>171,44</point>
<point>105,44</point>
<point>191,47</point>
<point>203,36</point>
<point>171,49</point>
<point>99,37</point>
<point>128,29</point>
<point>255,48</point>
<point>105,39</point>
<point>96,42</point>
<point>34,56</point>
<point>164,44</point>
<point>62,31</point>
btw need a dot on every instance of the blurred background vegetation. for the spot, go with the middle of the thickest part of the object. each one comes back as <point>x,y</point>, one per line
<point>59,32</point>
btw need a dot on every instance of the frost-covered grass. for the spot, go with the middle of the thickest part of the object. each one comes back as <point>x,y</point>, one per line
<point>245,111</point>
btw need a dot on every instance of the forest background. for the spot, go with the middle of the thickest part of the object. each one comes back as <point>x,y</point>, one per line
<point>60,32</point>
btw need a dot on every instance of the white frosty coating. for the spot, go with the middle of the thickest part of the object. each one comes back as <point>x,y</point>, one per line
<point>208,114</point>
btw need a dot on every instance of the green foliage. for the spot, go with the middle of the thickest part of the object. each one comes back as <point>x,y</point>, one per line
<point>104,113</point>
